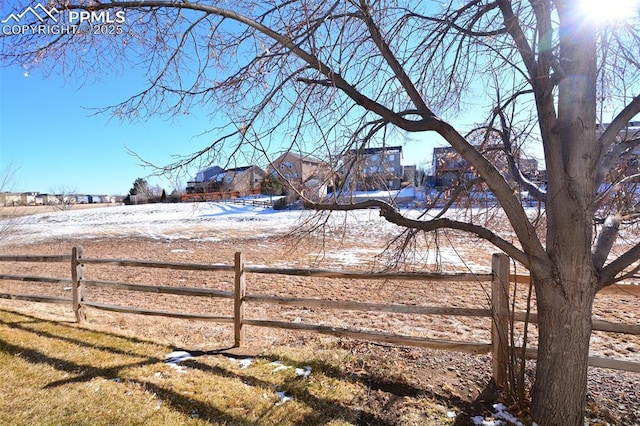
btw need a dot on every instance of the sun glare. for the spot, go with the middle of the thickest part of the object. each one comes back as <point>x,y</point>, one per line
<point>611,10</point>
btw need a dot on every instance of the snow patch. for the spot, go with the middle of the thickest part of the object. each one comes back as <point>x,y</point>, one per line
<point>174,359</point>
<point>283,398</point>
<point>500,417</point>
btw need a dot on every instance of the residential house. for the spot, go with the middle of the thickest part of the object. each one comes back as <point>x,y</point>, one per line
<point>245,180</point>
<point>28,198</point>
<point>631,130</point>
<point>10,199</point>
<point>47,199</point>
<point>373,168</point>
<point>205,180</point>
<point>301,174</point>
<point>409,173</point>
<point>295,168</point>
<point>451,169</point>
<point>82,199</point>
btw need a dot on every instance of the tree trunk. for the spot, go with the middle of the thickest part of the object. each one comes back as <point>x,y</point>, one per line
<point>559,392</point>
<point>566,281</point>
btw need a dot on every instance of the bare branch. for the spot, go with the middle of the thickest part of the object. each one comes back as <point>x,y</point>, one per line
<point>605,241</point>
<point>610,271</point>
<point>392,215</point>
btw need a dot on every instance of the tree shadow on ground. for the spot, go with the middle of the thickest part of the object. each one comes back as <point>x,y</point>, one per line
<point>383,394</point>
<point>75,339</point>
<point>379,400</point>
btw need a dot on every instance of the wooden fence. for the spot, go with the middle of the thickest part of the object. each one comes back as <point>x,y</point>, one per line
<point>230,196</point>
<point>235,197</point>
<point>500,312</point>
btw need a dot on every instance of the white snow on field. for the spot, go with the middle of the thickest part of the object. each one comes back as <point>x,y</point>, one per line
<point>197,221</point>
<point>194,221</point>
<point>213,222</point>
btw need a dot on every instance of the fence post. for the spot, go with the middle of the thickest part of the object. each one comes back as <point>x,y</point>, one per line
<point>238,298</point>
<point>77,274</point>
<point>500,323</point>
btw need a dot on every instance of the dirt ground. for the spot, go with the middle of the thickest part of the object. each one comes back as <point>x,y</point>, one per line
<point>614,396</point>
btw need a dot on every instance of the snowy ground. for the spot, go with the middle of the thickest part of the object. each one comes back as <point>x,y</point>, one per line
<point>210,222</point>
<point>193,221</point>
<point>199,221</point>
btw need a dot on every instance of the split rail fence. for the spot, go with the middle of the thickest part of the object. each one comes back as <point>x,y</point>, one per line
<point>500,314</point>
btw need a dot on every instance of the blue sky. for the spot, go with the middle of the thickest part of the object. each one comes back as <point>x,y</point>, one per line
<point>50,135</point>
<point>54,140</point>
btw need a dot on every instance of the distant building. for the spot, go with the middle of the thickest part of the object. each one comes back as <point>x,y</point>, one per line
<point>10,199</point>
<point>296,168</point>
<point>208,173</point>
<point>137,199</point>
<point>47,199</point>
<point>301,173</point>
<point>204,180</point>
<point>247,179</point>
<point>409,173</point>
<point>450,169</point>
<point>631,130</point>
<point>373,168</point>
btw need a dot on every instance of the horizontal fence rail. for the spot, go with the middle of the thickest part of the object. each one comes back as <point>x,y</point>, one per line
<point>148,288</point>
<point>500,313</point>
<point>409,276</point>
<point>156,264</point>
<point>35,279</point>
<point>63,258</point>
<point>36,258</point>
<point>595,361</point>
<point>150,312</point>
<point>597,325</point>
<point>367,307</point>
<point>36,298</point>
<point>450,345</point>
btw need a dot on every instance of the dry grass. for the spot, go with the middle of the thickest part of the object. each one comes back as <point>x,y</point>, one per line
<point>7,212</point>
<point>62,373</point>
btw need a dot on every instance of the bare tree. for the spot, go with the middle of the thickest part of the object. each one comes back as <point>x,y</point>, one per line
<point>65,197</point>
<point>7,216</point>
<point>330,76</point>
